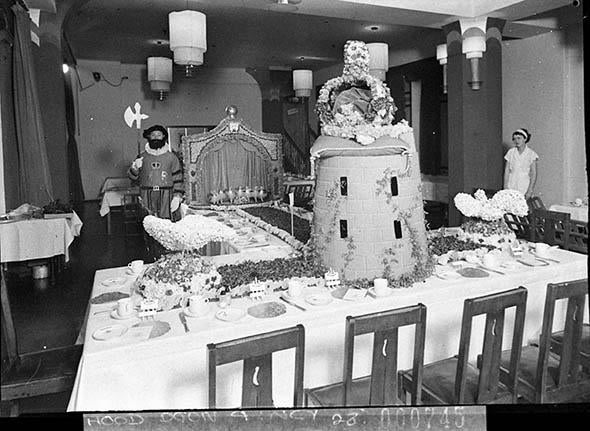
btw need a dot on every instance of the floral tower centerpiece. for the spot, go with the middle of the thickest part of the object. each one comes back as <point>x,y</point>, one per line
<point>368,213</point>
<point>485,217</point>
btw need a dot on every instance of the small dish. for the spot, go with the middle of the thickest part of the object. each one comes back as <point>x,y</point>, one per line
<point>130,272</point>
<point>114,281</point>
<point>188,313</point>
<point>318,299</point>
<point>109,332</point>
<point>287,296</point>
<point>115,315</point>
<point>372,290</point>
<point>230,314</point>
<point>511,264</point>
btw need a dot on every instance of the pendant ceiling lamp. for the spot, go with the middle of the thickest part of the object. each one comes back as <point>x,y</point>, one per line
<point>378,59</point>
<point>442,57</point>
<point>160,75</point>
<point>188,38</point>
<point>302,82</point>
<point>284,5</point>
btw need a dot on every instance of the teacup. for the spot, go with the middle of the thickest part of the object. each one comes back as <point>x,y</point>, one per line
<point>124,307</point>
<point>136,266</point>
<point>381,287</point>
<point>542,249</point>
<point>198,304</point>
<point>295,288</point>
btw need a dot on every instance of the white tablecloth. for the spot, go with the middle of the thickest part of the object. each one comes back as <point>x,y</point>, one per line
<point>170,372</point>
<point>114,198</point>
<point>38,238</point>
<point>577,213</point>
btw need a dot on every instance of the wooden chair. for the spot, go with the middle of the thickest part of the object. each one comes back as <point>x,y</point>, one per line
<point>546,378</point>
<point>131,215</point>
<point>535,203</point>
<point>36,373</point>
<point>550,227</point>
<point>303,194</point>
<point>521,225</point>
<point>557,343</point>
<point>454,380</point>
<point>381,387</point>
<point>578,237</point>
<point>256,352</point>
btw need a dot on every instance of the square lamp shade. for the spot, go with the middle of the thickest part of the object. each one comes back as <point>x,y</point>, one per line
<point>302,82</point>
<point>378,59</point>
<point>188,37</point>
<point>159,73</point>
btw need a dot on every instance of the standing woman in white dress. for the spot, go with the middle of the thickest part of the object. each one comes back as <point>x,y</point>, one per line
<point>521,165</point>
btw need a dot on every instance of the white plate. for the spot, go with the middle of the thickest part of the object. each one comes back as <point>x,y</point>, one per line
<point>129,272</point>
<point>511,264</point>
<point>318,299</point>
<point>230,314</point>
<point>115,315</point>
<point>448,275</point>
<point>114,281</point>
<point>372,290</point>
<point>109,332</point>
<point>291,298</point>
<point>188,313</point>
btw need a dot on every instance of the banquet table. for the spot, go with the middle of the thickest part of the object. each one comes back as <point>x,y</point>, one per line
<point>112,192</point>
<point>579,213</point>
<point>170,371</point>
<point>38,238</point>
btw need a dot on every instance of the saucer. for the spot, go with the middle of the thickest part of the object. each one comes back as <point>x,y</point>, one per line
<point>230,314</point>
<point>114,281</point>
<point>372,290</point>
<point>291,298</point>
<point>318,299</point>
<point>109,332</point>
<point>189,313</point>
<point>448,275</point>
<point>115,315</point>
<point>130,272</point>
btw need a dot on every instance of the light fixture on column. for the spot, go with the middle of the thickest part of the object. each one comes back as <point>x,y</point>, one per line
<point>378,59</point>
<point>441,56</point>
<point>474,45</point>
<point>302,82</point>
<point>159,71</point>
<point>188,38</point>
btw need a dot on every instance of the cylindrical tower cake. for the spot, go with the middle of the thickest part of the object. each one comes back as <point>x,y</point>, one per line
<point>368,212</point>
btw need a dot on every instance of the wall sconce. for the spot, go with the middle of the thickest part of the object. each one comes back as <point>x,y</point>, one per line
<point>302,82</point>
<point>159,71</point>
<point>441,56</point>
<point>378,59</point>
<point>474,45</point>
<point>188,38</point>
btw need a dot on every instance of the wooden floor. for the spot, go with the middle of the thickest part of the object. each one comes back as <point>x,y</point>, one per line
<point>49,316</point>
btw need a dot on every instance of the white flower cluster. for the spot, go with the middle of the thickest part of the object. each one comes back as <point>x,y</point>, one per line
<point>192,232</point>
<point>479,206</point>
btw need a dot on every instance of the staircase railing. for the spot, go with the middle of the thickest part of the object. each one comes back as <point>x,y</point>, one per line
<point>295,160</point>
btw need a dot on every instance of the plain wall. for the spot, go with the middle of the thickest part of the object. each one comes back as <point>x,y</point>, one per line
<point>543,82</point>
<point>107,146</point>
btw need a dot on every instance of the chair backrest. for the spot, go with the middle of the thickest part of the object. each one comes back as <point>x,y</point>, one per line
<point>550,227</point>
<point>10,339</point>
<point>494,307</point>
<point>302,193</point>
<point>575,292</point>
<point>256,352</point>
<point>578,237</point>
<point>519,224</point>
<point>384,325</point>
<point>535,203</point>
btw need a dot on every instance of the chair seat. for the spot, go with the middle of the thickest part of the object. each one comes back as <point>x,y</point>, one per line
<point>527,376</point>
<point>438,384</point>
<point>333,395</point>
<point>39,373</point>
<point>557,340</point>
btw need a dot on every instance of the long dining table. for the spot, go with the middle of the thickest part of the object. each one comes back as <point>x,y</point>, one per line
<point>170,371</point>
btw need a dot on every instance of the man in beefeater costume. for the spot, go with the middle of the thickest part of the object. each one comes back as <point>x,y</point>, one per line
<point>159,174</point>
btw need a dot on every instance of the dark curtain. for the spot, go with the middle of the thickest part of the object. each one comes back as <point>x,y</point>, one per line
<point>33,166</point>
<point>74,175</point>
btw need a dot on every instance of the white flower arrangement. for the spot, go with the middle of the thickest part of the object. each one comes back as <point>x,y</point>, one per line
<point>192,232</point>
<point>479,206</point>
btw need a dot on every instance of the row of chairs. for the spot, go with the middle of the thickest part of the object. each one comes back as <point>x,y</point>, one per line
<point>551,227</point>
<point>555,370</point>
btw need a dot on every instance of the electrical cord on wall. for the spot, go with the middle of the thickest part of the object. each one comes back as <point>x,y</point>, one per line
<point>97,78</point>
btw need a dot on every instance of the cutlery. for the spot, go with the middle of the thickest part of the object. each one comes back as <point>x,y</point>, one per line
<point>291,303</point>
<point>371,294</point>
<point>491,270</point>
<point>102,311</point>
<point>182,318</point>
<point>524,263</point>
<point>547,258</point>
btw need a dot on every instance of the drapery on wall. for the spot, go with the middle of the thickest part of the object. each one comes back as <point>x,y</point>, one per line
<point>74,175</point>
<point>234,163</point>
<point>33,166</point>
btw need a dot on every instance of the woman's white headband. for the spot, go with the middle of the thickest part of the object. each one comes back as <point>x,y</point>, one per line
<point>522,132</point>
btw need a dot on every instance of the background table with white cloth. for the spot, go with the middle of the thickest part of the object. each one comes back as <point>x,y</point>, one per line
<point>576,212</point>
<point>170,372</point>
<point>111,195</point>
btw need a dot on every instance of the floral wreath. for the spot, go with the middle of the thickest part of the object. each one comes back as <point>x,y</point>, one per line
<point>349,123</point>
<point>479,206</point>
